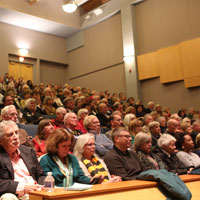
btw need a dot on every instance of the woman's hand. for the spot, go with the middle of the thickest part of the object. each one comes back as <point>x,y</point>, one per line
<point>115,179</point>
<point>97,179</point>
<point>190,169</point>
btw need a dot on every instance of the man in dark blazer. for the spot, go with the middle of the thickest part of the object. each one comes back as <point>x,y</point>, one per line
<point>20,172</point>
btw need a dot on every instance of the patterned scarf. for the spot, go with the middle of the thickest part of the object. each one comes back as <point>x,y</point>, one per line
<point>66,171</point>
<point>95,167</point>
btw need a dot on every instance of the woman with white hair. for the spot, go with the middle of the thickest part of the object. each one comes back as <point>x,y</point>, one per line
<point>128,118</point>
<point>90,163</point>
<point>148,160</point>
<point>30,113</point>
<point>82,113</point>
<point>166,151</point>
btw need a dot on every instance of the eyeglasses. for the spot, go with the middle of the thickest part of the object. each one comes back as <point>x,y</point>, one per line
<point>90,144</point>
<point>126,136</point>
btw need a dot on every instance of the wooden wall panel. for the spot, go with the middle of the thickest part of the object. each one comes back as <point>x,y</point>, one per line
<point>192,82</point>
<point>147,66</point>
<point>190,57</point>
<point>169,64</point>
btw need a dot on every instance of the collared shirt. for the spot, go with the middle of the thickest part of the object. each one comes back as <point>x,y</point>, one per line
<point>102,142</point>
<point>21,173</point>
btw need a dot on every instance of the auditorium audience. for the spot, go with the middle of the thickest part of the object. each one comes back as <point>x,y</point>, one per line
<point>186,156</point>
<point>64,166</point>
<point>103,143</point>
<point>82,113</point>
<point>148,160</point>
<point>71,121</point>
<point>147,119</point>
<point>127,119</point>
<point>120,160</point>
<point>89,162</point>
<point>115,122</point>
<point>58,122</point>
<point>30,113</point>
<point>69,104</point>
<point>155,131</point>
<point>48,105</point>
<point>195,129</point>
<point>163,125</point>
<point>103,116</point>
<point>20,170</point>
<point>45,128</point>
<point>167,152</point>
<point>83,102</point>
<point>173,129</point>
<point>134,128</point>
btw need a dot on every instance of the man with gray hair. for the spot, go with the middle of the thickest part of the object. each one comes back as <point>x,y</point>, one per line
<point>9,113</point>
<point>120,160</point>
<point>154,128</point>
<point>20,172</point>
<point>70,121</point>
<point>173,129</point>
<point>196,130</point>
<point>58,122</point>
<point>102,142</point>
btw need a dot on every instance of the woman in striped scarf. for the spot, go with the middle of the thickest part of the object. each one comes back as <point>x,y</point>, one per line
<point>91,165</point>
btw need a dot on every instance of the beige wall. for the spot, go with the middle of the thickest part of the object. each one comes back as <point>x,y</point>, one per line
<point>53,73</point>
<point>46,9</point>
<point>173,95</point>
<point>41,46</point>
<point>111,78</point>
<point>102,49</point>
<point>162,23</point>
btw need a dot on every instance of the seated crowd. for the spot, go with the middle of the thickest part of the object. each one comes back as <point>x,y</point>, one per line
<point>86,137</point>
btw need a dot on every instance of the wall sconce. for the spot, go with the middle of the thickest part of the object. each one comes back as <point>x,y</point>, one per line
<point>128,59</point>
<point>69,6</point>
<point>23,51</point>
<point>21,59</point>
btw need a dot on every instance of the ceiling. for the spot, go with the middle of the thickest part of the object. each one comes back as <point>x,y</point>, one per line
<point>40,24</point>
<point>32,22</point>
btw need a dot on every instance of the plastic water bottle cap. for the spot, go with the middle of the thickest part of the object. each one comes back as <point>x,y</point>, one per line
<point>49,173</point>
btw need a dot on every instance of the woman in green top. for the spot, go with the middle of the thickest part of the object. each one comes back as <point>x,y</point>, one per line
<point>64,166</point>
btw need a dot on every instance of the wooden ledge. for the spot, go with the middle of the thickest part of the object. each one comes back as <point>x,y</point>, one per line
<point>107,188</point>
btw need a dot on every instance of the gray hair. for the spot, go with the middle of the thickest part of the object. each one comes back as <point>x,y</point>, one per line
<point>160,118</point>
<point>4,125</point>
<point>6,109</point>
<point>81,111</point>
<point>195,123</point>
<point>150,102</point>
<point>153,123</point>
<point>170,122</point>
<point>146,116</point>
<point>165,139</point>
<point>80,142</point>
<point>60,109</point>
<point>28,102</point>
<point>140,139</point>
<point>67,115</point>
<point>117,132</point>
<point>46,99</point>
<point>128,118</point>
<point>88,120</point>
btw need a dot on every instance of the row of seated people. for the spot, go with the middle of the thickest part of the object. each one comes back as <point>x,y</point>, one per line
<point>81,162</point>
<point>33,102</point>
<point>107,120</point>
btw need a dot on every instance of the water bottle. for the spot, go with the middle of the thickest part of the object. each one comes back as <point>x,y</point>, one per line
<point>49,182</point>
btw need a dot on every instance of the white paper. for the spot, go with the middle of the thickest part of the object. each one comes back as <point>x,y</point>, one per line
<point>79,186</point>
